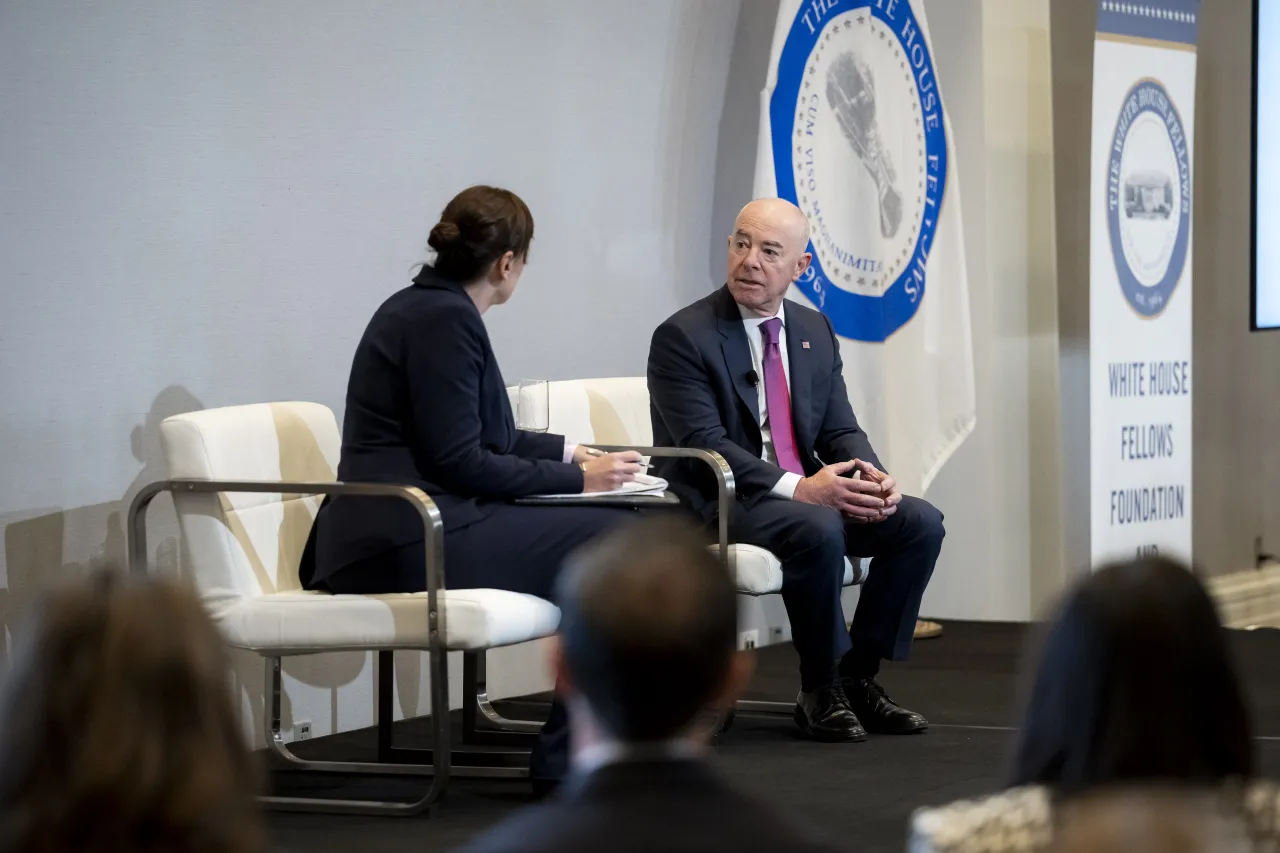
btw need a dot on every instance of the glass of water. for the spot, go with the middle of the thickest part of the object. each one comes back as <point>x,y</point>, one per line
<point>533,405</point>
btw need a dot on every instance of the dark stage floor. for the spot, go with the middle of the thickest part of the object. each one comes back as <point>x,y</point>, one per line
<point>965,682</point>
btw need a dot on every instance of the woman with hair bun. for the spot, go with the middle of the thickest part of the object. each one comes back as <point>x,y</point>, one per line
<point>427,406</point>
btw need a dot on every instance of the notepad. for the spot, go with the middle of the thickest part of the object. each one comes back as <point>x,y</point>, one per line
<point>643,484</point>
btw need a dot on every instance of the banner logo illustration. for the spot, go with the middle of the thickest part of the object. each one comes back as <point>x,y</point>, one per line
<point>1149,197</point>
<point>859,144</point>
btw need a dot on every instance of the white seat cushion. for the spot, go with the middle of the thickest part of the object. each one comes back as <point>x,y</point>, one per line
<point>760,573</point>
<point>302,622</point>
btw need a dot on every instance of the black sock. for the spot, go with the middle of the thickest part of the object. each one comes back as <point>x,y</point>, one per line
<point>859,663</point>
<point>811,681</point>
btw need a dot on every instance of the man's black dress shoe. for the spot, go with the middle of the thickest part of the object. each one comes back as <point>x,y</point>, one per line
<point>878,712</point>
<point>825,715</point>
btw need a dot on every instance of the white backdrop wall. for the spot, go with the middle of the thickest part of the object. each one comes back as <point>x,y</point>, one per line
<point>1001,491</point>
<point>203,204</point>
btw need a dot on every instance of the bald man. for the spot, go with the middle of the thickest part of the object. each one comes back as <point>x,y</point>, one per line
<point>758,379</point>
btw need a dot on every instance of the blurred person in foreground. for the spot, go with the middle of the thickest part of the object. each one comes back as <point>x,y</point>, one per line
<point>1161,821</point>
<point>646,648</point>
<point>1135,689</point>
<point>117,730</point>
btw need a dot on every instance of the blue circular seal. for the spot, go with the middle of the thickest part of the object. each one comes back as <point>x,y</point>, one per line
<point>1149,197</point>
<point>859,144</point>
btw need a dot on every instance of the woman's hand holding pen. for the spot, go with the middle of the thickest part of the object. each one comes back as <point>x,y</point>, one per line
<point>604,472</point>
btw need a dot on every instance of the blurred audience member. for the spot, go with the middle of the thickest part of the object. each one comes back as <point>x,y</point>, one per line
<point>647,647</point>
<point>1135,688</point>
<point>117,733</point>
<point>1150,821</point>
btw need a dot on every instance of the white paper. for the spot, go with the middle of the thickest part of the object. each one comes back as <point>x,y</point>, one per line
<point>643,484</point>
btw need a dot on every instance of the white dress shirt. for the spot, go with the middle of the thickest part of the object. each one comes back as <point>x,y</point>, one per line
<point>590,759</point>
<point>786,485</point>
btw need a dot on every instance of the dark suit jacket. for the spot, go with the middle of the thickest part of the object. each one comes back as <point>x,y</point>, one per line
<point>646,807</point>
<point>426,406</point>
<point>699,396</point>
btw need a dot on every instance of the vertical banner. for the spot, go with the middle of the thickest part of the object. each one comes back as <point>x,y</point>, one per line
<point>853,131</point>
<point>1144,84</point>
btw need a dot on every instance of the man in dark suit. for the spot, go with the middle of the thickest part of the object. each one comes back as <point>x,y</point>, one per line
<point>647,638</point>
<point>758,379</point>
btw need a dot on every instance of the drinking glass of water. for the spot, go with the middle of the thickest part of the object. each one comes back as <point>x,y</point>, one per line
<point>533,407</point>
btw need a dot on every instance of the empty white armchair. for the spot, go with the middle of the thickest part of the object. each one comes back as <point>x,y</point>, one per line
<point>246,484</point>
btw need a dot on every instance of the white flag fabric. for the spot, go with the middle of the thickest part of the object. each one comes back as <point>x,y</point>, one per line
<point>853,131</point>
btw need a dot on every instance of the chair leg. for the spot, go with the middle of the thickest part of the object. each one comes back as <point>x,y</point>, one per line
<point>749,706</point>
<point>386,699</point>
<point>479,718</point>
<point>392,761</point>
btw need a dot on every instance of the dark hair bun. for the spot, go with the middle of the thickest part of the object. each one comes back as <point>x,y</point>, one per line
<point>476,228</point>
<point>443,234</point>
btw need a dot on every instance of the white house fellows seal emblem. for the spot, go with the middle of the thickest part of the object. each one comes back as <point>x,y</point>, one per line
<point>860,145</point>
<point>1148,197</point>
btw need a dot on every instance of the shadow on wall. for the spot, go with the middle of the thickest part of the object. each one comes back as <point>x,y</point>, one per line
<point>740,126</point>
<point>37,541</point>
<point>701,50</point>
<point>45,544</point>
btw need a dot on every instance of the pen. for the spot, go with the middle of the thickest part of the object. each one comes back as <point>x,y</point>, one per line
<point>595,451</point>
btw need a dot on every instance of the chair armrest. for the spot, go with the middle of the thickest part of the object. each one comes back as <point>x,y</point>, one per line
<point>724,481</point>
<point>433,527</point>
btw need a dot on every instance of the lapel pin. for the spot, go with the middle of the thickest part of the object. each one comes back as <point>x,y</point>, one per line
<point>804,344</point>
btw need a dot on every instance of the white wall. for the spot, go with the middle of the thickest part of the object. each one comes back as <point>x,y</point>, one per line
<point>203,203</point>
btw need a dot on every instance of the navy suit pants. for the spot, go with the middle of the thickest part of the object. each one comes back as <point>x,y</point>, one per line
<point>812,542</point>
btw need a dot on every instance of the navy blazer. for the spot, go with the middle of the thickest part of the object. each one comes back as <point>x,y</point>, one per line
<point>427,407</point>
<point>673,806</point>
<point>699,396</point>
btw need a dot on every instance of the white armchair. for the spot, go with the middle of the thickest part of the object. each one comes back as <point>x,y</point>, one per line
<point>246,482</point>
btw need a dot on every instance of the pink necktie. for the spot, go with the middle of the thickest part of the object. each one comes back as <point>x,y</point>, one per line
<point>777,400</point>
